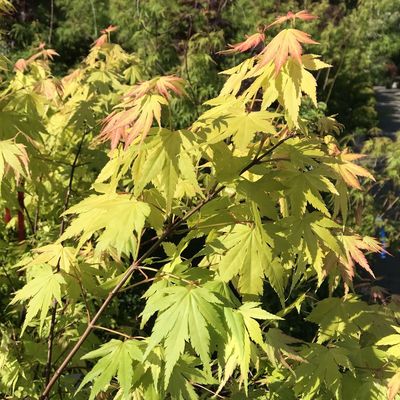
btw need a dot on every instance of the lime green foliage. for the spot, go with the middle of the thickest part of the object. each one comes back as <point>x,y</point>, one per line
<point>174,264</point>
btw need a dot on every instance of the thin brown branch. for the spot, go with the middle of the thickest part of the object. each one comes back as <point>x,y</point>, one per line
<point>147,280</point>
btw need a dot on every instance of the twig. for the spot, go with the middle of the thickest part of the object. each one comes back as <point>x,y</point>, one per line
<point>165,273</point>
<point>29,219</point>
<point>138,283</point>
<point>116,332</point>
<point>208,390</point>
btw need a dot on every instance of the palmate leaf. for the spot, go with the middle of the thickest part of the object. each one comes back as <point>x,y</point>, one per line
<point>185,373</point>
<point>336,318</point>
<point>40,292</point>
<point>312,231</point>
<point>353,245</point>
<point>118,216</point>
<point>285,43</point>
<point>229,117</point>
<point>117,359</point>
<point>350,171</point>
<point>305,188</point>
<point>286,86</point>
<point>244,126</point>
<point>134,116</point>
<point>132,119</point>
<point>185,315</point>
<point>14,156</point>
<point>278,344</point>
<point>243,330</point>
<point>322,371</point>
<point>248,257</point>
<point>53,255</point>
<point>236,76</point>
<point>167,163</point>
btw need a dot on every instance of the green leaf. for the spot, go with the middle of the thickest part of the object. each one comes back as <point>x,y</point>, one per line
<point>322,371</point>
<point>118,216</point>
<point>185,314</point>
<point>13,155</point>
<point>243,329</point>
<point>336,317</point>
<point>184,374</point>
<point>117,359</point>
<point>40,291</point>
<point>248,257</point>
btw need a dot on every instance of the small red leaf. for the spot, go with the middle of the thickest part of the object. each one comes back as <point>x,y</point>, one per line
<point>303,15</point>
<point>250,42</point>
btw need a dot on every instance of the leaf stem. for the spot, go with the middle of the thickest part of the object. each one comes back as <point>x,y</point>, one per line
<point>117,332</point>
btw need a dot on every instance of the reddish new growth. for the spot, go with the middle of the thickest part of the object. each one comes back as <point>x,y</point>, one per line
<point>22,64</point>
<point>303,15</point>
<point>159,85</point>
<point>251,42</point>
<point>103,38</point>
<point>135,115</point>
<point>286,43</point>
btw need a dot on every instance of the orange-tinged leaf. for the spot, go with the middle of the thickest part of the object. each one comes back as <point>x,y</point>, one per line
<point>140,107</point>
<point>103,38</point>
<point>350,171</point>
<point>110,28</point>
<point>45,53</point>
<point>134,120</point>
<point>284,44</point>
<point>250,42</point>
<point>21,65</point>
<point>161,85</point>
<point>393,386</point>
<point>49,53</point>
<point>303,15</point>
<point>353,246</point>
<point>170,83</point>
<point>49,88</point>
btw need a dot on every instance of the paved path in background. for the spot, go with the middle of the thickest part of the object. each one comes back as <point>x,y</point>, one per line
<point>388,108</point>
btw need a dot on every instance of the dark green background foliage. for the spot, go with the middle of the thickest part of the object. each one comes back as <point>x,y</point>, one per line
<point>183,36</point>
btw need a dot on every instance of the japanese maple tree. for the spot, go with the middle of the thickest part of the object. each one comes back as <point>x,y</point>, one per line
<point>228,233</point>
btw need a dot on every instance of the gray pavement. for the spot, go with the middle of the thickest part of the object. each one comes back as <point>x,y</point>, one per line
<point>388,108</point>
